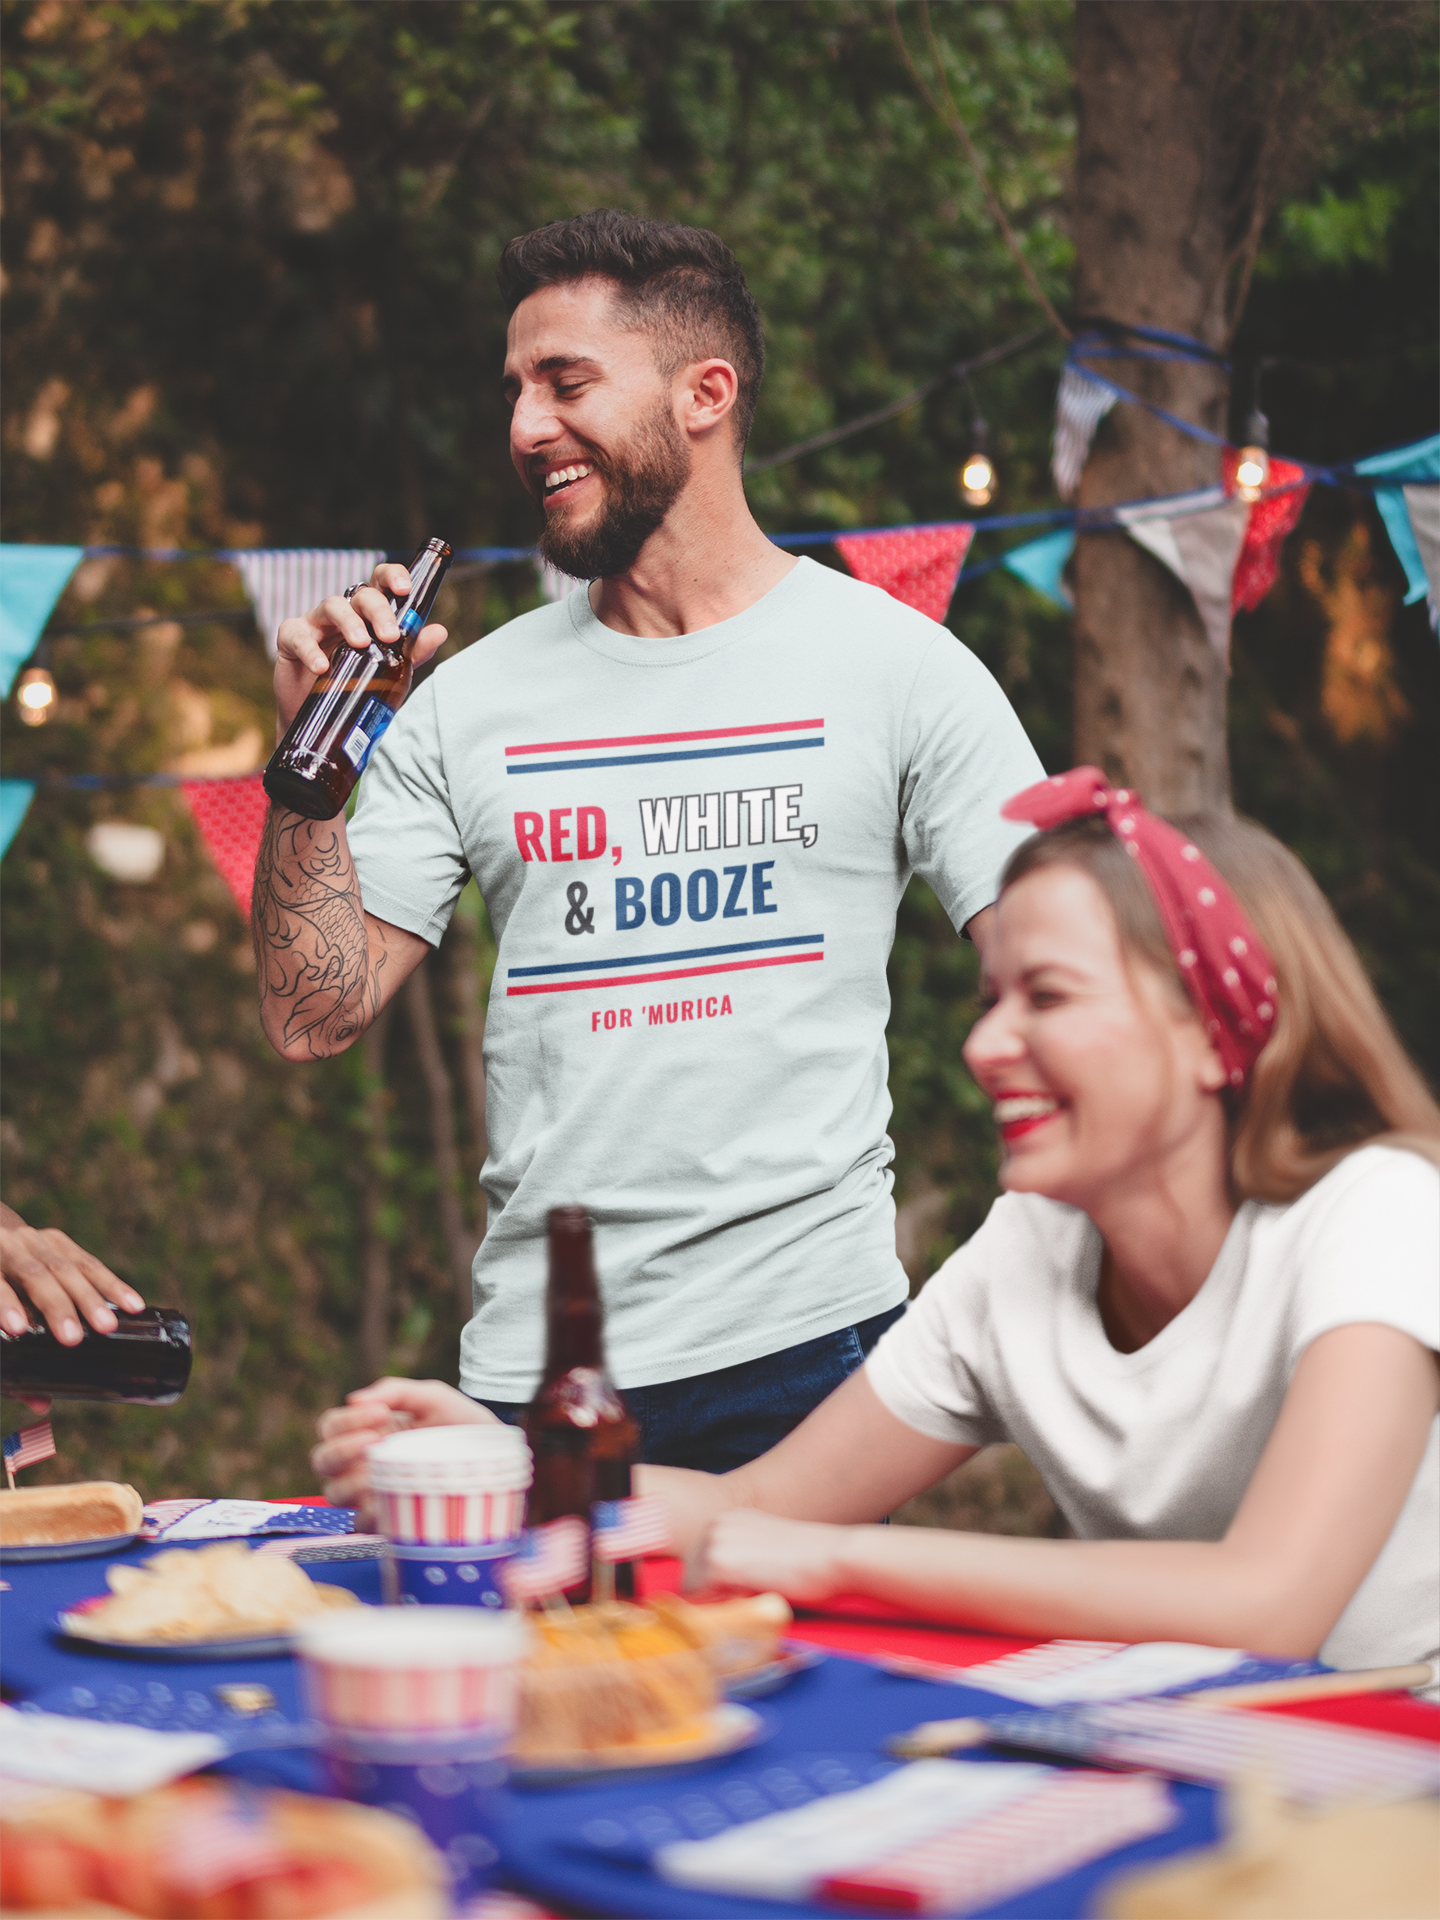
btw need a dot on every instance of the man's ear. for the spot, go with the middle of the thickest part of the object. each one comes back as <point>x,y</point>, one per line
<point>706,392</point>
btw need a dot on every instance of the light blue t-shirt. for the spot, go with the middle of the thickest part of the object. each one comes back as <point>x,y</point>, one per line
<point>692,851</point>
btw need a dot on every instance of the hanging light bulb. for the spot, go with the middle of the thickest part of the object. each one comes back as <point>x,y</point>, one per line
<point>1253,469</point>
<point>35,696</point>
<point>977,476</point>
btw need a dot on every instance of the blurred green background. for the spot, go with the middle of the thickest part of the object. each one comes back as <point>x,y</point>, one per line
<point>249,300</point>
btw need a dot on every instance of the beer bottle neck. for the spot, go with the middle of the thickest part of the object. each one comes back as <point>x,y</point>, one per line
<point>573,1314</point>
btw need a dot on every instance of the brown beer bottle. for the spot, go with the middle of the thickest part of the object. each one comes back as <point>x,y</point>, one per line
<point>580,1431</point>
<point>314,769</point>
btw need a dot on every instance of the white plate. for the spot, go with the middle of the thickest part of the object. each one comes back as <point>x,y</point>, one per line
<point>728,1728</point>
<point>795,1657</point>
<point>71,1549</point>
<point>70,1623</point>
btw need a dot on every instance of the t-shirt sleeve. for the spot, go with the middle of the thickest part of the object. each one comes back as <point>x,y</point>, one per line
<point>927,1370</point>
<point>964,753</point>
<point>1371,1251</point>
<point>404,838</point>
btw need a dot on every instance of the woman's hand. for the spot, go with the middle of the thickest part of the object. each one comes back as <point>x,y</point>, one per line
<point>765,1554</point>
<point>61,1280</point>
<point>386,1406</point>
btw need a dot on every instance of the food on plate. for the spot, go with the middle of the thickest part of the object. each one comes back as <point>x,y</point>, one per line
<point>620,1676</point>
<point>60,1516</point>
<point>736,1636</point>
<point>215,1850</point>
<point>223,1592</point>
<point>609,1676</point>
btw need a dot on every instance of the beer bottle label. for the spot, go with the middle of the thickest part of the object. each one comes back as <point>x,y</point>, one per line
<point>371,721</point>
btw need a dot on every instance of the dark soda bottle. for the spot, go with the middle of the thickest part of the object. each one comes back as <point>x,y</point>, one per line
<point>144,1362</point>
<point>580,1430</point>
<point>314,769</point>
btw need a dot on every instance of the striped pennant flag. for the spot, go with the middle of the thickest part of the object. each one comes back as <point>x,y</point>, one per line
<point>27,1447</point>
<point>208,1849</point>
<point>282,581</point>
<point>551,1559</point>
<point>626,1529</point>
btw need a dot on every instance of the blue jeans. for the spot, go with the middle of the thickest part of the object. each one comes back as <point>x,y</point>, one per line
<point>716,1421</point>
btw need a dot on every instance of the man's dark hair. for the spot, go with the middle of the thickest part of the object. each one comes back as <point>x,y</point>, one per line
<point>681,283</point>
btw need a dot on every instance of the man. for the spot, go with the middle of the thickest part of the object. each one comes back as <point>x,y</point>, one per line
<point>692,795</point>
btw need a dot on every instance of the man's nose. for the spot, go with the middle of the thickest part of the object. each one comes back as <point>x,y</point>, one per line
<point>533,424</point>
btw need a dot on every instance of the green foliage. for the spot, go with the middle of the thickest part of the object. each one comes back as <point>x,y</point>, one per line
<point>249,256</point>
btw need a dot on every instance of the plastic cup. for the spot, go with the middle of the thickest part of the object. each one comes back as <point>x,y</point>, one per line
<point>451,1504</point>
<point>417,1712</point>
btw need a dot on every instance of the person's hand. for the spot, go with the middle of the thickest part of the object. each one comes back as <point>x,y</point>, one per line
<point>61,1280</point>
<point>762,1553</point>
<point>307,641</point>
<point>386,1406</point>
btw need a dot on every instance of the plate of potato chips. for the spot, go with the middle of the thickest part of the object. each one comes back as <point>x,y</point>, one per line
<point>221,1602</point>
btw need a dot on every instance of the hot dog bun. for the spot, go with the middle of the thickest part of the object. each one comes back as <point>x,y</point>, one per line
<point>58,1516</point>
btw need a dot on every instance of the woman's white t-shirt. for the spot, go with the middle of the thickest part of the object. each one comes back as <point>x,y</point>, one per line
<point>1006,1343</point>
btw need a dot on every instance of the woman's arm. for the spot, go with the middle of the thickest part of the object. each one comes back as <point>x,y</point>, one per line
<point>849,1460</point>
<point>1320,1506</point>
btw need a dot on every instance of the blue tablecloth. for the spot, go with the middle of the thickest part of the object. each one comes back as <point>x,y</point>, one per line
<point>577,1847</point>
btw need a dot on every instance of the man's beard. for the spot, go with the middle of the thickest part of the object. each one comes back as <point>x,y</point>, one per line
<point>641,486</point>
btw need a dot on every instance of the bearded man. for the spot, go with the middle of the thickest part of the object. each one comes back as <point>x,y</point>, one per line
<point>692,795</point>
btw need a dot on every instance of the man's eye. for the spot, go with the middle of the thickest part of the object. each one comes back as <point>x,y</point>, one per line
<point>569,390</point>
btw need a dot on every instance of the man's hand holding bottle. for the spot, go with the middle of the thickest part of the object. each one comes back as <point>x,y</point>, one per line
<point>308,641</point>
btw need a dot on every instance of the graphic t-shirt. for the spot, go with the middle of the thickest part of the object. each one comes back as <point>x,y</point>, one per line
<point>1006,1343</point>
<point>692,850</point>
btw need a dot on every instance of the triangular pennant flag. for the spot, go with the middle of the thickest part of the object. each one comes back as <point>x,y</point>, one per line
<point>1271,519</point>
<point>1412,515</point>
<point>1041,564</point>
<point>32,579</point>
<point>1080,405</point>
<point>1198,536</point>
<point>282,581</point>
<point>918,565</point>
<point>15,798</point>
<point>231,817</point>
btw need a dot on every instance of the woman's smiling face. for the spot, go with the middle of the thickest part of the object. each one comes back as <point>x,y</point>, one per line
<point>1098,1073</point>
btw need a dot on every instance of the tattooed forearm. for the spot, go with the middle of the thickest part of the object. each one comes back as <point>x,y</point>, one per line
<point>322,959</point>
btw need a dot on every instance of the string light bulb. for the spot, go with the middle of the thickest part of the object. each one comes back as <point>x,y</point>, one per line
<point>35,696</point>
<point>977,476</point>
<point>1252,470</point>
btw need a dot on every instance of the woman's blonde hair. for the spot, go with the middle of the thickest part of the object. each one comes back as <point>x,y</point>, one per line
<point>1334,1075</point>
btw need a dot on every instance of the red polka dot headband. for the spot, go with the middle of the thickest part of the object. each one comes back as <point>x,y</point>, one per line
<point>1222,959</point>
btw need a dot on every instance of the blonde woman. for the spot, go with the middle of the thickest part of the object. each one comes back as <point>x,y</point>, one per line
<point>1207,1303</point>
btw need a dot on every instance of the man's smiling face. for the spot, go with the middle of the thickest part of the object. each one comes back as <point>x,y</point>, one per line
<point>593,432</point>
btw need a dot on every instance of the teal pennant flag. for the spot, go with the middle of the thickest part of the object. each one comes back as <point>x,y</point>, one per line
<point>15,798</point>
<point>1040,564</point>
<point>32,579</point>
<point>1411,513</point>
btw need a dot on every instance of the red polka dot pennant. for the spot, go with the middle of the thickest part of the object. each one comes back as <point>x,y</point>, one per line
<point>918,565</point>
<point>1222,959</point>
<point>1271,519</point>
<point>231,817</point>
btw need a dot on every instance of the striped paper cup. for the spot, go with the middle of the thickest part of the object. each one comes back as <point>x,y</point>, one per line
<point>407,1675</point>
<point>451,1486</point>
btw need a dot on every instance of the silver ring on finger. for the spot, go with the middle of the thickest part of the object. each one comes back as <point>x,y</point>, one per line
<point>350,592</point>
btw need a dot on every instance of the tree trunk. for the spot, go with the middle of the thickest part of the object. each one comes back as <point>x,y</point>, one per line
<point>375,1253</point>
<point>459,1241</point>
<point>1160,210</point>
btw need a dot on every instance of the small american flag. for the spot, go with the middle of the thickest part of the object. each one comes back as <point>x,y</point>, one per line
<point>551,1558</point>
<point>626,1529</point>
<point>28,1447</point>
